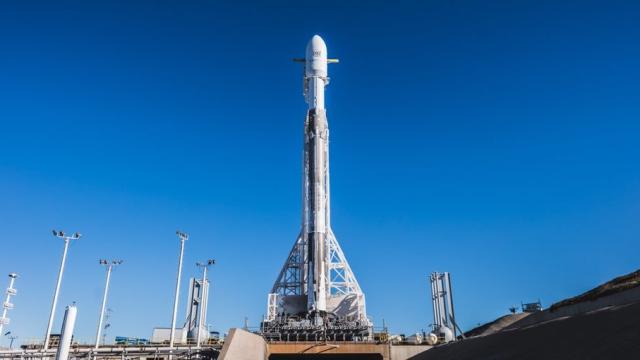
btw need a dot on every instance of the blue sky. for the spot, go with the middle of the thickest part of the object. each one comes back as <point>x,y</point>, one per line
<point>496,140</point>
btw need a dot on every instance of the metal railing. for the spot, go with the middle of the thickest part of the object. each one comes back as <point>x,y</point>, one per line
<point>156,351</point>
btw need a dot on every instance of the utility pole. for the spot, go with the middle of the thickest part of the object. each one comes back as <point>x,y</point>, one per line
<point>67,239</point>
<point>109,265</point>
<point>204,298</point>
<point>183,237</point>
<point>7,305</point>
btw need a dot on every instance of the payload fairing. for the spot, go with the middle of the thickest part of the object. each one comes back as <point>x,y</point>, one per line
<point>316,287</point>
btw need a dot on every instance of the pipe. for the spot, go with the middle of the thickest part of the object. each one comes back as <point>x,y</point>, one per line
<point>67,332</point>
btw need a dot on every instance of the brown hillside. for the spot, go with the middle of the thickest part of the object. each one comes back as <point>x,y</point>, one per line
<point>619,284</point>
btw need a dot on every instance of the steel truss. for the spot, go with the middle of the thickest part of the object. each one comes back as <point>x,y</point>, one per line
<point>117,352</point>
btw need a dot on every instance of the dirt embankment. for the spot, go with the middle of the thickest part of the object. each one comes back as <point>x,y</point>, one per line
<point>496,325</point>
<point>602,323</point>
<point>610,333</point>
<point>619,284</point>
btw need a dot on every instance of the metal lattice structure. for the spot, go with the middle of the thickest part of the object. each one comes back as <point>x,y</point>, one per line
<point>129,352</point>
<point>292,276</point>
<point>342,287</point>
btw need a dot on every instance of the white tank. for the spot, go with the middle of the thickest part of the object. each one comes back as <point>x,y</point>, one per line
<point>415,339</point>
<point>431,339</point>
<point>394,339</point>
<point>446,334</point>
<point>68,324</point>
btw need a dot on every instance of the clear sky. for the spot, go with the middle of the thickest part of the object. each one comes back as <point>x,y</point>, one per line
<point>496,140</point>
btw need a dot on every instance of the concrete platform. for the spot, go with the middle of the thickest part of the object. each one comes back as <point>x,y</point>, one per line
<point>338,350</point>
<point>343,350</point>
<point>243,345</point>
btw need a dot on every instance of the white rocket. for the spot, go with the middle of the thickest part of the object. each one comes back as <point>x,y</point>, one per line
<point>316,278</point>
<point>316,216</point>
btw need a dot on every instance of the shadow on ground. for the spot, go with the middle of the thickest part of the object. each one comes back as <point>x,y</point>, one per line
<point>610,333</point>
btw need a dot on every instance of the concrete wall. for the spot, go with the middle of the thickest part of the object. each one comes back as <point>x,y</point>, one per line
<point>348,348</point>
<point>243,345</point>
<point>404,352</point>
<point>377,351</point>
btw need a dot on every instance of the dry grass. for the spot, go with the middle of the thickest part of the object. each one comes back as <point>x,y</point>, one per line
<point>619,284</point>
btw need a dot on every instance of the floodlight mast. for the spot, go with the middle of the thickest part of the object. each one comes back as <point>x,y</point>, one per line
<point>183,237</point>
<point>204,298</point>
<point>109,265</point>
<point>67,239</point>
<point>7,305</point>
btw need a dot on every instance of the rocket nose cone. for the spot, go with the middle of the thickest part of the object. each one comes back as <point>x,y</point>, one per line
<point>317,41</point>
<point>316,45</point>
<point>316,57</point>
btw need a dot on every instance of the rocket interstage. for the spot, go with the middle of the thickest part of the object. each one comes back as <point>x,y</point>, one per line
<point>316,285</point>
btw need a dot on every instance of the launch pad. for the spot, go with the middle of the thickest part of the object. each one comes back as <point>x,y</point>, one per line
<point>242,344</point>
<point>328,351</point>
<point>295,328</point>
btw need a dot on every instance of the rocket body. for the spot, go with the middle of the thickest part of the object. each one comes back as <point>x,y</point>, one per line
<point>316,210</point>
<point>316,216</point>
